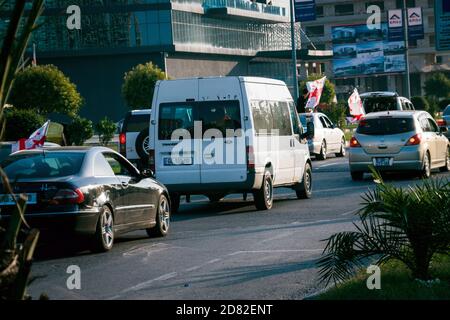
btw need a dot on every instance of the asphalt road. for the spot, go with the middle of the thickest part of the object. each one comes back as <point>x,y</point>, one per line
<point>219,251</point>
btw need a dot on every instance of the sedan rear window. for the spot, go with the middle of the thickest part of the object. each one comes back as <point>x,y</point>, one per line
<point>376,104</point>
<point>42,165</point>
<point>385,126</point>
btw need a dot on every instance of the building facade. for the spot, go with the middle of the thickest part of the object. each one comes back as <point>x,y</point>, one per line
<point>423,57</point>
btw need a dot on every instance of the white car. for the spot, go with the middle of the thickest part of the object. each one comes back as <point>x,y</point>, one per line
<point>221,135</point>
<point>327,138</point>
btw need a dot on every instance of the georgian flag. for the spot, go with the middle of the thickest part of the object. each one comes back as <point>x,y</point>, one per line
<point>356,106</point>
<point>36,140</point>
<point>315,89</point>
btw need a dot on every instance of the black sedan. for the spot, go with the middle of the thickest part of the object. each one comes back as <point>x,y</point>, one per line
<point>93,192</point>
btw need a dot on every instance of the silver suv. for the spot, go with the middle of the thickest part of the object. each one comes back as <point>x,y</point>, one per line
<point>398,141</point>
<point>384,101</point>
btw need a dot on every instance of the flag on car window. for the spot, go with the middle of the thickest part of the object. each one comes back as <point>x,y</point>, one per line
<point>356,106</point>
<point>36,139</point>
<point>315,89</point>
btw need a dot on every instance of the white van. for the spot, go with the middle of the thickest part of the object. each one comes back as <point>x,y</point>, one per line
<point>221,135</point>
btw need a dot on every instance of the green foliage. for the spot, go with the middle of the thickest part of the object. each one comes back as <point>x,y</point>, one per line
<point>328,92</point>
<point>420,103</point>
<point>437,86</point>
<point>336,112</point>
<point>408,225</point>
<point>21,123</point>
<point>80,130</point>
<point>139,84</point>
<point>105,129</point>
<point>45,89</point>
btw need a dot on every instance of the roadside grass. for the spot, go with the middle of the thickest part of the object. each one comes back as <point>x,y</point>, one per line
<point>396,284</point>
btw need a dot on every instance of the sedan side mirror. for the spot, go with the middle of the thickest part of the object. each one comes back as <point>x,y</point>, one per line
<point>147,173</point>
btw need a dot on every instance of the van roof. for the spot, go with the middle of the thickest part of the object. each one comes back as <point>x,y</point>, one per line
<point>379,94</point>
<point>142,111</point>
<point>240,78</point>
<point>393,113</point>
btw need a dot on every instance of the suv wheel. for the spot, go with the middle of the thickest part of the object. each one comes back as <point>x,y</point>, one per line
<point>143,144</point>
<point>264,196</point>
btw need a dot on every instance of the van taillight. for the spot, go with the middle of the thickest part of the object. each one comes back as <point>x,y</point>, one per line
<point>250,158</point>
<point>151,160</point>
<point>67,196</point>
<point>414,140</point>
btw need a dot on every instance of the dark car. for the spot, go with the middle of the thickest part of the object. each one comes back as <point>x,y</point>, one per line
<point>93,192</point>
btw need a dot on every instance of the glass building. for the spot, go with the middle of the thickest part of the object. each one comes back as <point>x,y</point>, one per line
<point>183,37</point>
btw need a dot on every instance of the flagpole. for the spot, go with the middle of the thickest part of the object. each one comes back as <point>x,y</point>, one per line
<point>294,53</point>
<point>405,30</point>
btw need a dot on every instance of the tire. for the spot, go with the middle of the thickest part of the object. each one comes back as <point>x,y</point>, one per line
<point>323,151</point>
<point>104,235</point>
<point>264,196</point>
<point>425,173</point>
<point>446,168</point>
<point>216,197</point>
<point>174,202</point>
<point>161,229</point>
<point>357,175</point>
<point>341,154</point>
<point>304,189</point>
<point>142,144</point>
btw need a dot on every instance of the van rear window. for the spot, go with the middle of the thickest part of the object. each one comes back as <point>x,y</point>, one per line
<point>385,126</point>
<point>376,104</point>
<point>220,115</point>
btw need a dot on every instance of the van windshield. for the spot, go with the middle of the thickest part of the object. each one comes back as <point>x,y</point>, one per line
<point>220,115</point>
<point>385,126</point>
<point>376,104</point>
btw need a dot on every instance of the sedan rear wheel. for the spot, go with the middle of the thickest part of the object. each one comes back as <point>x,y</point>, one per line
<point>323,152</point>
<point>341,153</point>
<point>104,236</point>
<point>447,162</point>
<point>161,229</point>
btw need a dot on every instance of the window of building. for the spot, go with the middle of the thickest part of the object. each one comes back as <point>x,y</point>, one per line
<point>315,31</point>
<point>380,4</point>
<point>319,11</point>
<point>344,9</point>
<point>432,40</point>
<point>439,59</point>
<point>409,4</point>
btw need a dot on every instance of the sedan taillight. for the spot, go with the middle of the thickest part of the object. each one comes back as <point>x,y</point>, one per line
<point>68,196</point>
<point>414,140</point>
<point>354,143</point>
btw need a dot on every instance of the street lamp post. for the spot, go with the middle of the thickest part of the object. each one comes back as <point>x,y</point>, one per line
<point>405,30</point>
<point>294,52</point>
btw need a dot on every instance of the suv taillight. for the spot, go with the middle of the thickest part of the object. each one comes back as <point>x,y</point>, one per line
<point>151,160</point>
<point>250,158</point>
<point>68,196</point>
<point>354,143</point>
<point>441,122</point>
<point>414,140</point>
<point>123,144</point>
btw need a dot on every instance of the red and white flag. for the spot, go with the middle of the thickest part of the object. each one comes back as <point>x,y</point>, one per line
<point>315,89</point>
<point>356,106</point>
<point>36,140</point>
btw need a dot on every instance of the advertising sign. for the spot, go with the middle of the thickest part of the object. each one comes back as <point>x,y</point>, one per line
<point>442,25</point>
<point>358,50</point>
<point>395,25</point>
<point>415,24</point>
<point>305,10</point>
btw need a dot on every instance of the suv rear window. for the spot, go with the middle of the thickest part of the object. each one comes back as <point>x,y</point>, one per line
<point>385,126</point>
<point>136,122</point>
<point>375,104</point>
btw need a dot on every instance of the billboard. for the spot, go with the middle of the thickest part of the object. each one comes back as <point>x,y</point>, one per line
<point>358,51</point>
<point>442,25</point>
<point>305,10</point>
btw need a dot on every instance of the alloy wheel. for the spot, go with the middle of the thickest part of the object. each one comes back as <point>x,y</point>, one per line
<point>164,214</point>
<point>107,225</point>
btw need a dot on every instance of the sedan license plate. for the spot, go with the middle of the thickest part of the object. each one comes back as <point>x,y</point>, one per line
<point>7,199</point>
<point>382,162</point>
<point>178,161</point>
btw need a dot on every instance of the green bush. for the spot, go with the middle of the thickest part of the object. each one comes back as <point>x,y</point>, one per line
<point>328,92</point>
<point>437,86</point>
<point>139,84</point>
<point>21,123</point>
<point>105,129</point>
<point>45,89</point>
<point>420,103</point>
<point>80,130</point>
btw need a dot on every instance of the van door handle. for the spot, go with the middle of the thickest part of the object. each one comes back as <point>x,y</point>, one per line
<point>228,141</point>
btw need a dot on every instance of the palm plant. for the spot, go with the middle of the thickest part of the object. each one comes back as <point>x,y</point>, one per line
<point>409,225</point>
<point>15,258</point>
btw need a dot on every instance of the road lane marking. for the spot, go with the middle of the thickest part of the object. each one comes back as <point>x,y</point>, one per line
<point>329,164</point>
<point>274,251</point>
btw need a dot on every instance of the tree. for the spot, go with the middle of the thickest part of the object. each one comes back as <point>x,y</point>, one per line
<point>45,89</point>
<point>336,112</point>
<point>420,103</point>
<point>328,92</point>
<point>21,123</point>
<point>80,130</point>
<point>438,86</point>
<point>139,84</point>
<point>105,129</point>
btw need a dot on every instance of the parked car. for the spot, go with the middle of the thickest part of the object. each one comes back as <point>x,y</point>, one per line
<point>398,141</point>
<point>327,137</point>
<point>91,192</point>
<point>253,158</point>
<point>445,121</point>
<point>133,137</point>
<point>384,101</point>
